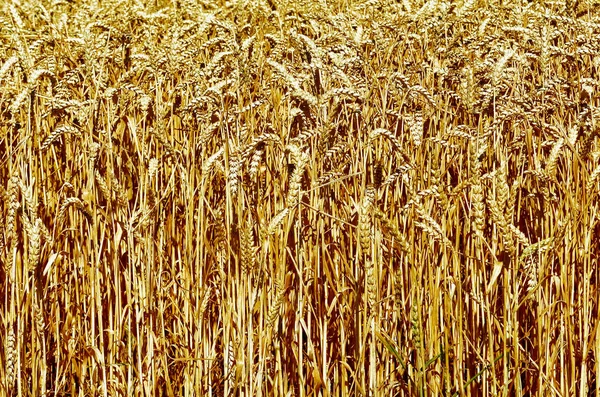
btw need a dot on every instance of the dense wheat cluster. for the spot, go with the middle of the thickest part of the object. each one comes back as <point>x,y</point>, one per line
<point>312,198</point>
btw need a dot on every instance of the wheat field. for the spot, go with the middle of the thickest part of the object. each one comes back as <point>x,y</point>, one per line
<point>305,198</point>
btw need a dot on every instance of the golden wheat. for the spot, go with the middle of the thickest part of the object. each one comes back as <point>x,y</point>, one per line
<point>359,197</point>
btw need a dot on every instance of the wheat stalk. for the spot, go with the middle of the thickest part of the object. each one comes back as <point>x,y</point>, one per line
<point>300,159</point>
<point>248,259</point>
<point>365,221</point>
<point>10,351</point>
